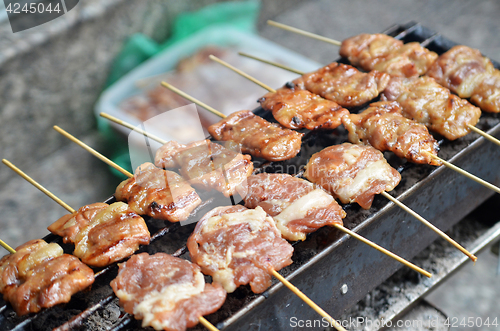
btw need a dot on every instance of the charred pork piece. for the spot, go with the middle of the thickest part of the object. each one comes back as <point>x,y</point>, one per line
<point>425,101</point>
<point>296,205</point>
<point>165,292</point>
<point>344,84</point>
<point>257,136</point>
<point>387,54</point>
<point>206,164</point>
<point>296,108</point>
<point>470,75</point>
<point>69,225</point>
<point>112,235</point>
<point>158,193</point>
<point>40,276</point>
<point>352,173</point>
<point>384,127</point>
<point>238,246</point>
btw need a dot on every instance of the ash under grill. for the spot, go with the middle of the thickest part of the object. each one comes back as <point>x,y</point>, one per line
<point>327,259</point>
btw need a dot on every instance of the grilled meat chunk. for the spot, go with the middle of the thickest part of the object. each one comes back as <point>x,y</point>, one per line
<point>113,234</point>
<point>387,54</point>
<point>238,246</point>
<point>425,101</point>
<point>166,292</point>
<point>257,136</point>
<point>158,193</point>
<point>344,84</point>
<point>40,276</point>
<point>50,283</point>
<point>352,173</point>
<point>470,75</point>
<point>296,205</point>
<point>296,108</point>
<point>207,164</point>
<point>69,225</point>
<point>384,127</point>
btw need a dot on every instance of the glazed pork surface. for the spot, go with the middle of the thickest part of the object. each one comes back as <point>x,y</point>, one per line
<point>158,193</point>
<point>297,206</point>
<point>207,164</point>
<point>296,108</point>
<point>165,292</point>
<point>344,84</point>
<point>39,275</point>
<point>257,136</point>
<point>112,235</point>
<point>470,75</point>
<point>352,173</point>
<point>423,100</point>
<point>383,126</point>
<point>387,54</point>
<point>238,246</point>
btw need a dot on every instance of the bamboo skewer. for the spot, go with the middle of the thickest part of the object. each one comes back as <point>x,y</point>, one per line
<point>404,207</point>
<point>241,73</point>
<point>7,247</point>
<point>484,134</point>
<point>304,298</point>
<point>131,127</point>
<point>304,33</point>
<point>430,225</point>
<point>466,174</point>
<point>93,151</point>
<point>38,186</point>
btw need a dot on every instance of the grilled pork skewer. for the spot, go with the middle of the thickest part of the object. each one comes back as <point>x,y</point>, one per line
<point>470,75</point>
<point>422,99</point>
<point>467,72</point>
<point>256,136</point>
<point>296,108</point>
<point>383,127</point>
<point>102,233</point>
<point>238,246</point>
<point>355,173</point>
<point>152,191</point>
<point>38,275</point>
<point>166,292</point>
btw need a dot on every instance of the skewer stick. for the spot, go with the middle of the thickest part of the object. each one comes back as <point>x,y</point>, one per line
<point>7,247</point>
<point>276,64</point>
<point>304,33</point>
<point>38,186</point>
<point>93,151</point>
<point>306,300</point>
<point>484,134</point>
<point>190,98</point>
<point>383,250</point>
<point>466,174</point>
<point>241,73</point>
<point>430,225</point>
<point>207,324</point>
<point>131,127</point>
